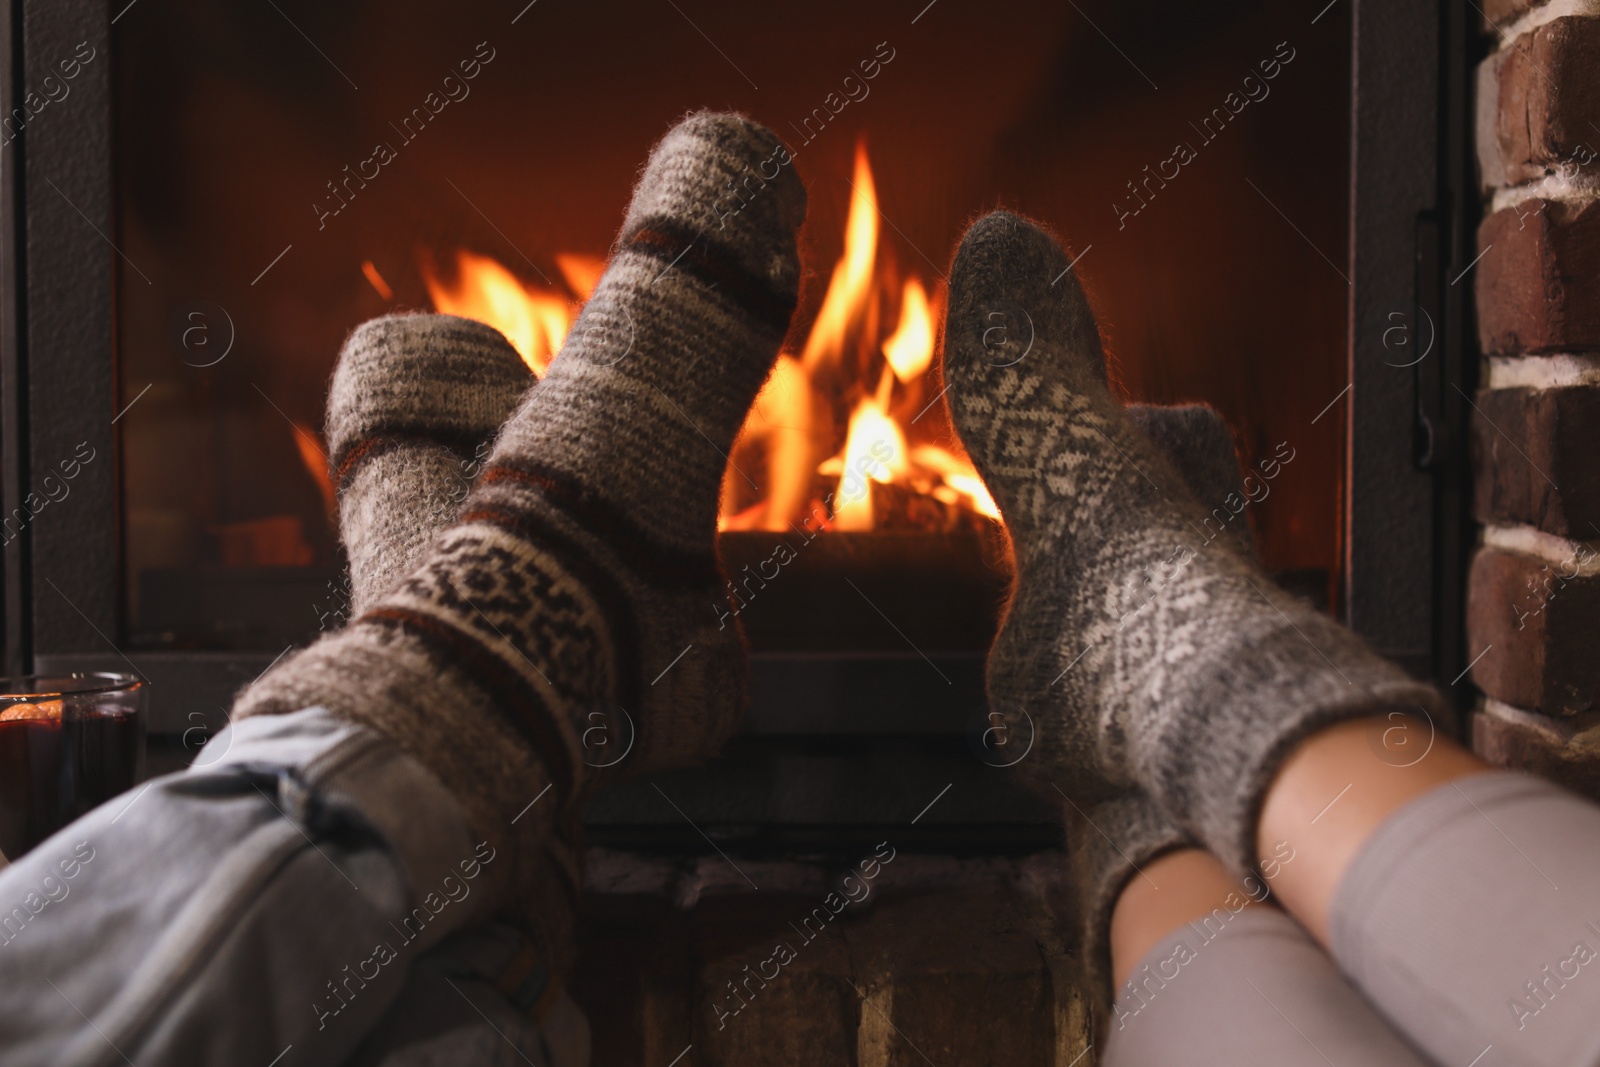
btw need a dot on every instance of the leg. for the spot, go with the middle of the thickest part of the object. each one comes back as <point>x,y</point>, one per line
<point>413,410</point>
<point>277,896</point>
<point>1464,901</point>
<point>585,548</point>
<point>414,407</point>
<point>481,997</point>
<point>1114,842</point>
<point>1336,789</point>
<point>1207,976</point>
<point>1158,657</point>
<point>1151,649</point>
<point>580,577</point>
<point>1190,946</point>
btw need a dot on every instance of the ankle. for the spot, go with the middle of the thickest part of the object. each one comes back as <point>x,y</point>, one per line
<point>1336,788</point>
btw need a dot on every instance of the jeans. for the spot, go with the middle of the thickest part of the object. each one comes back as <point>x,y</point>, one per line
<point>299,896</point>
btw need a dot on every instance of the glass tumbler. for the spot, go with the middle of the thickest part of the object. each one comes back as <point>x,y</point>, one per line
<point>68,743</point>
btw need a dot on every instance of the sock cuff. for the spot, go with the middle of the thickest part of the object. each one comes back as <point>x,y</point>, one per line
<point>432,710</point>
<point>509,694</point>
<point>1213,773</point>
<point>1108,846</point>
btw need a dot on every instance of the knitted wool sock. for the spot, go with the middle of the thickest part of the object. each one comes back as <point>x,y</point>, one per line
<point>580,579</point>
<point>1115,839</point>
<point>1149,654</point>
<point>415,403</point>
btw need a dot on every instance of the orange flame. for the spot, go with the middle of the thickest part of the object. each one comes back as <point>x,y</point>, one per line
<point>851,284</point>
<point>380,286</point>
<point>534,321</point>
<point>581,273</point>
<point>909,349</point>
<point>791,439</point>
<point>315,461</point>
<point>875,448</point>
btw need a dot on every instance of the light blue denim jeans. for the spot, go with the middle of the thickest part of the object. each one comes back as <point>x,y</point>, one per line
<point>298,897</point>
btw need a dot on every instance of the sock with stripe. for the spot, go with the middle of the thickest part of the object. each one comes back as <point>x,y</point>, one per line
<point>579,585</point>
<point>414,406</point>
<point>1149,652</point>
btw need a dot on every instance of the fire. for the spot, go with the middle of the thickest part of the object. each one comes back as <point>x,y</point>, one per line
<point>315,461</point>
<point>850,288</point>
<point>534,320</point>
<point>870,425</point>
<point>581,273</point>
<point>860,396</point>
<point>909,349</point>
<point>850,362</point>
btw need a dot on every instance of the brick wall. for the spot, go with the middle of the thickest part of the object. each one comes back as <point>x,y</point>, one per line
<point>945,961</point>
<point>1534,589</point>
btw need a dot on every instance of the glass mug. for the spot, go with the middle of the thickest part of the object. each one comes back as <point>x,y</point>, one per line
<point>68,742</point>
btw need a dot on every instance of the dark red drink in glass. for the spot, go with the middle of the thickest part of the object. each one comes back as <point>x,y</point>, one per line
<point>67,744</point>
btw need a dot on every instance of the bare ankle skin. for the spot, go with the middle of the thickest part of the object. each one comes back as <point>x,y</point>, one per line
<point>1335,789</point>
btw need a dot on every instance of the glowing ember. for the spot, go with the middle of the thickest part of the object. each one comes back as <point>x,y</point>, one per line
<point>380,286</point>
<point>858,392</point>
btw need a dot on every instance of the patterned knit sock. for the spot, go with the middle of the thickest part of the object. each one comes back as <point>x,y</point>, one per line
<point>1149,653</point>
<point>414,406</point>
<point>580,581</point>
<point>415,401</point>
<point>1111,842</point>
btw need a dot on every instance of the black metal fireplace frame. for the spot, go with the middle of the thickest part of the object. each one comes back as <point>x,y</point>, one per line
<point>1406,521</point>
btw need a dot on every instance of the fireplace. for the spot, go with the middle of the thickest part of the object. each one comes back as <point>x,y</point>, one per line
<point>197,216</point>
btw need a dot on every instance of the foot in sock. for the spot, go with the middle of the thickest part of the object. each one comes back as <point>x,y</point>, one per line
<point>580,578</point>
<point>415,404</point>
<point>1148,654</point>
<point>1114,839</point>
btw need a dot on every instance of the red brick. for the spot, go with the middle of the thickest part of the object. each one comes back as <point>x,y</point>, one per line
<point>924,961</point>
<point>808,1014</point>
<point>1544,84</point>
<point>1559,751</point>
<point>1532,451</point>
<point>1486,123</point>
<point>1538,283</point>
<point>1541,630</point>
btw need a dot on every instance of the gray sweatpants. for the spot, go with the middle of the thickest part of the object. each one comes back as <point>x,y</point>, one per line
<point>1470,921</point>
<point>299,899</point>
